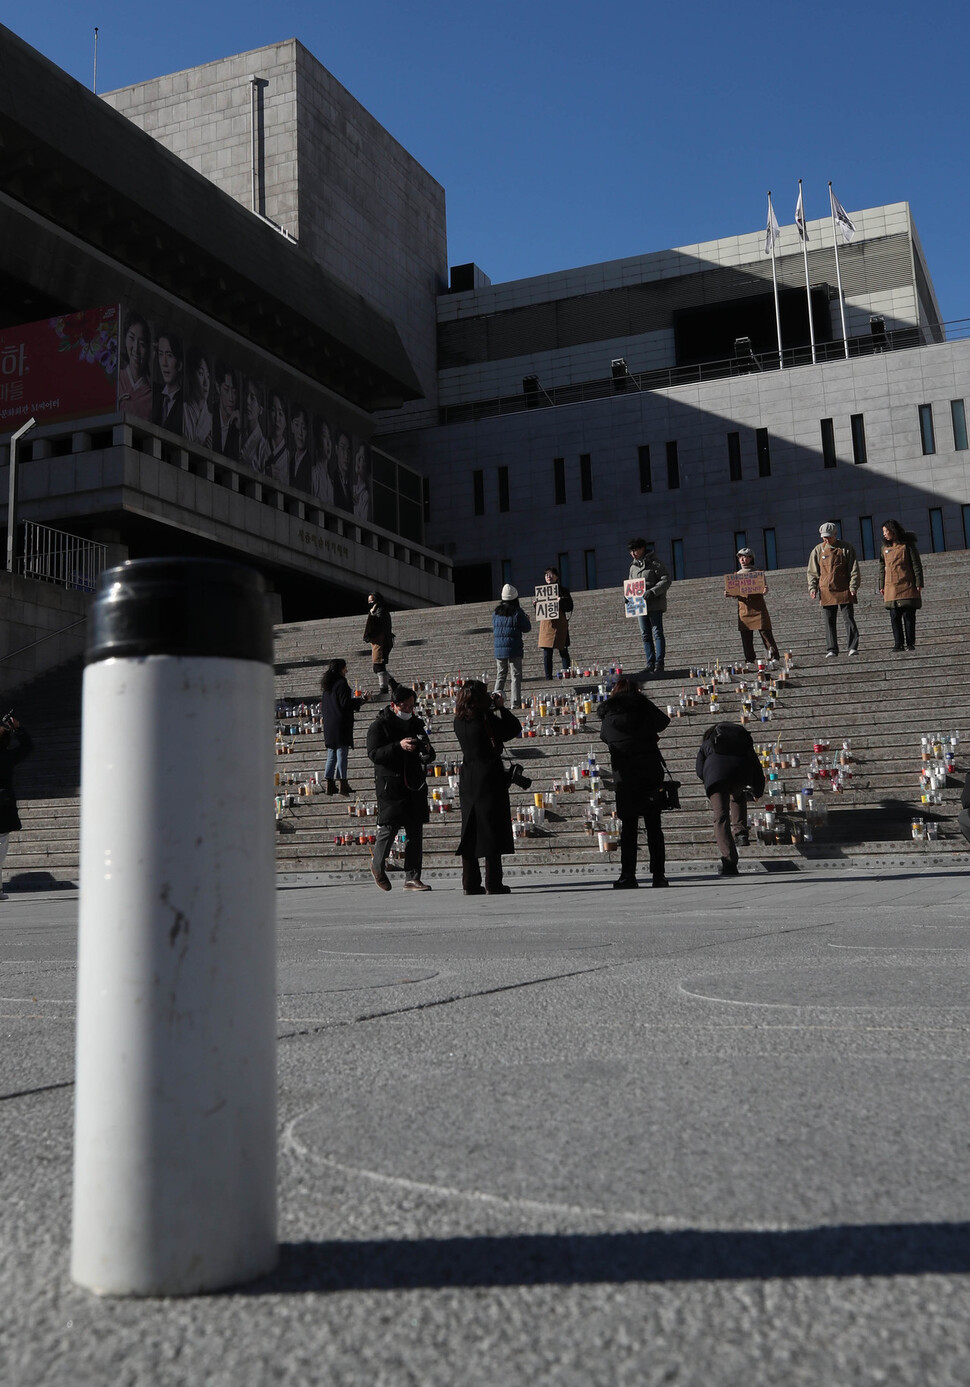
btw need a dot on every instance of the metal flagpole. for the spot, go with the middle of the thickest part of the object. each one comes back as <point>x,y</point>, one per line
<point>803,232</point>
<point>771,237</point>
<point>838,272</point>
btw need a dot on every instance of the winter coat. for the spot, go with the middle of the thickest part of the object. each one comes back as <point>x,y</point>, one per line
<point>554,635</point>
<point>339,707</point>
<point>727,757</point>
<point>833,573</point>
<point>656,576</point>
<point>901,574</point>
<point>377,630</point>
<point>509,621</point>
<point>486,813</point>
<point>399,775</point>
<point>630,725</point>
<point>13,751</point>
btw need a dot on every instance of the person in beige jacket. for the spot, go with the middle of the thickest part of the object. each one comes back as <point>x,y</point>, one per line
<point>833,581</point>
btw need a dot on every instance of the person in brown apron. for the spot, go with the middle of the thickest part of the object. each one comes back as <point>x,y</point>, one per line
<point>833,581</point>
<point>753,614</point>
<point>901,582</point>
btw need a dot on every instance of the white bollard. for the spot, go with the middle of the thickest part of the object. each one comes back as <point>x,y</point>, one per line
<point>175,1124</point>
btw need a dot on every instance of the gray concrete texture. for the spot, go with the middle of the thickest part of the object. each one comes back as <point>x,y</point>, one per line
<point>568,1136</point>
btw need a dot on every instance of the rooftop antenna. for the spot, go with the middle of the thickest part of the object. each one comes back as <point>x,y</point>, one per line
<point>95,60</point>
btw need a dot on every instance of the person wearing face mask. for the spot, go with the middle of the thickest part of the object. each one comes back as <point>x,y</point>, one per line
<point>377,630</point>
<point>753,614</point>
<point>398,745</point>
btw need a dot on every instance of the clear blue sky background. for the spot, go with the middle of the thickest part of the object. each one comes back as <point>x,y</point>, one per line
<point>566,133</point>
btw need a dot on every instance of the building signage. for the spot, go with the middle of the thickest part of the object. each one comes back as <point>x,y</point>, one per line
<point>60,368</point>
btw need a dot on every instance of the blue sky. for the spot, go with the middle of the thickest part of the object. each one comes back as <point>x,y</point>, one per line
<point>568,133</point>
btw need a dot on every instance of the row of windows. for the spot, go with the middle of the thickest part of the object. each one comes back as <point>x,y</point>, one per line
<point>857,427</point>
<point>564,568</point>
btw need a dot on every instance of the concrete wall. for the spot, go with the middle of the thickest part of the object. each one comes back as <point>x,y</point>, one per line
<point>707,508</point>
<point>49,621</point>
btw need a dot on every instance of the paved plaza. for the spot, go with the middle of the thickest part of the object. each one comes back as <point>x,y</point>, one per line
<point>711,1135</point>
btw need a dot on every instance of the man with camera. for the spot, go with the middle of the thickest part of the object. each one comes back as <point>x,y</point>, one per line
<point>398,745</point>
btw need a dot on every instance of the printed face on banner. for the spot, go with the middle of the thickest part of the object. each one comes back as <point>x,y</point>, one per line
<point>634,597</point>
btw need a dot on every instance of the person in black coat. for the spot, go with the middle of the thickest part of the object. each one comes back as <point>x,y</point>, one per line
<point>729,766</point>
<point>398,745</point>
<point>15,744</point>
<point>483,726</point>
<point>630,725</point>
<point>339,707</point>
<point>377,630</point>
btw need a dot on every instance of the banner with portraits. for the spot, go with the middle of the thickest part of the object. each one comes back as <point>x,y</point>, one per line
<point>211,400</point>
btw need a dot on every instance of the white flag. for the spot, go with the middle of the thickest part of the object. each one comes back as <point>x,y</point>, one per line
<point>842,219</point>
<point>800,217</point>
<point>772,231</point>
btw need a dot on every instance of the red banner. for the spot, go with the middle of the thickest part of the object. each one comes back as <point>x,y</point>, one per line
<point>61,368</point>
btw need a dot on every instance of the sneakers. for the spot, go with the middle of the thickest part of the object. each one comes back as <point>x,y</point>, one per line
<point>626,884</point>
<point>728,868</point>
<point>413,884</point>
<point>831,654</point>
<point>852,652</point>
<point>380,878</point>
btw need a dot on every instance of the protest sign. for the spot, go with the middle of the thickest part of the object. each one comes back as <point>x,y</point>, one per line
<point>547,602</point>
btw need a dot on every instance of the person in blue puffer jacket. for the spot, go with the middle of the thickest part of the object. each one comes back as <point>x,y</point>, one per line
<point>509,623</point>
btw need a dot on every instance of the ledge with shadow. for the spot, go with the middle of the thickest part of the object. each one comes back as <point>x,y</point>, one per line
<point>871,1250</point>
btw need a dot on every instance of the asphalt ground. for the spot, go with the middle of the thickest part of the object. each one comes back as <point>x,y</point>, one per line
<point>711,1135</point>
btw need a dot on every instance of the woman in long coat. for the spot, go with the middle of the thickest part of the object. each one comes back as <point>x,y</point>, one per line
<point>753,614</point>
<point>630,725</point>
<point>339,707</point>
<point>554,635</point>
<point>901,582</point>
<point>483,726</point>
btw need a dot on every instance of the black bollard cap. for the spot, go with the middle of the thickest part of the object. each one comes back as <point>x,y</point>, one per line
<point>186,607</point>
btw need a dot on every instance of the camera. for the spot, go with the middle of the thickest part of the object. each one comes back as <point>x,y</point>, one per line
<point>425,752</point>
<point>517,776</point>
<point>8,720</point>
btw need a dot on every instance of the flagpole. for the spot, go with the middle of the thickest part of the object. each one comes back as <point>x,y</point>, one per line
<point>774,281</point>
<point>808,287</point>
<point>838,272</point>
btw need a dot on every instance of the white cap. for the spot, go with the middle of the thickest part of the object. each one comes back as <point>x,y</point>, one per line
<point>828,530</point>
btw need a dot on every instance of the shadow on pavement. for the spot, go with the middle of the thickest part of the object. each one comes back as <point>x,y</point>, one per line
<point>913,1249</point>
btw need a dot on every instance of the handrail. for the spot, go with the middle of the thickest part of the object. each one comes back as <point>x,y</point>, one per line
<point>40,639</point>
<point>668,377</point>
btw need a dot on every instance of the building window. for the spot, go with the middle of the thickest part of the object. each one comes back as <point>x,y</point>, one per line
<point>740,541</point>
<point>589,564</point>
<point>764,453</point>
<point>503,488</point>
<point>677,557</point>
<point>673,467</point>
<point>936,530</point>
<point>966,526</point>
<point>478,491</point>
<point>867,536</point>
<point>958,416</point>
<point>927,436</point>
<point>562,563</point>
<point>858,424</point>
<point>771,549</point>
<point>643,457</point>
<point>426,498</point>
<point>734,456</point>
<point>829,458</point>
<point>585,477</point>
<point>559,480</point>
<point>506,571</point>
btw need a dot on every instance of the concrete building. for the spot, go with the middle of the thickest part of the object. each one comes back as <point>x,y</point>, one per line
<point>646,396</point>
<point>97,213</point>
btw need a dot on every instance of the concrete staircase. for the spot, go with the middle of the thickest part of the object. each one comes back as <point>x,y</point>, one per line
<point>883,702</point>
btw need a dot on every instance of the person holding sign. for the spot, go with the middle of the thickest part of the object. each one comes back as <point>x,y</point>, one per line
<point>749,586</point>
<point>553,606</point>
<point>655,576</point>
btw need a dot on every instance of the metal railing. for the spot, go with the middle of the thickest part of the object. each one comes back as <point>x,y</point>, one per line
<point>665,378</point>
<point>53,556</point>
